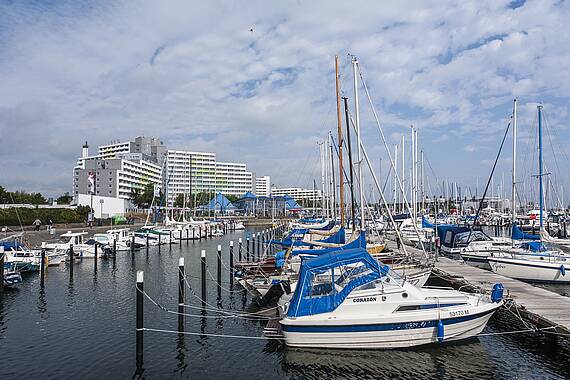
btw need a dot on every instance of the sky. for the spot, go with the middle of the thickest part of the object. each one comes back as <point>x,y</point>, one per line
<point>253,81</point>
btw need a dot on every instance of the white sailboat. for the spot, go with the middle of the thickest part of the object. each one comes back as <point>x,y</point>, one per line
<point>545,264</point>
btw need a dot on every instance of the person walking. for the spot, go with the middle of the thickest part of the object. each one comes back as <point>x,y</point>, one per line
<point>37,224</point>
<point>50,224</point>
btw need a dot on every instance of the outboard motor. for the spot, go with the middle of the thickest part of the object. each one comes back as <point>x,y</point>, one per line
<point>497,292</point>
<point>274,293</point>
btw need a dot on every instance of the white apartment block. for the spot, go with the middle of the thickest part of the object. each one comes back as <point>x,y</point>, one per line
<point>263,186</point>
<point>194,172</point>
<point>297,193</point>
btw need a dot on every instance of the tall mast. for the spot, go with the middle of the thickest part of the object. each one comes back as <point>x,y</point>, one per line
<point>540,160</point>
<point>340,142</point>
<point>395,178</point>
<point>358,140</point>
<point>353,206</point>
<point>403,172</point>
<point>332,180</point>
<point>322,152</point>
<point>422,180</point>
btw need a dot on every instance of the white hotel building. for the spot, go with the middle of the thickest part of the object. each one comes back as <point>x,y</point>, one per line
<point>263,186</point>
<point>194,172</point>
<point>297,193</point>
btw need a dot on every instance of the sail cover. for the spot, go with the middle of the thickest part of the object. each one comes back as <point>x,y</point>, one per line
<point>518,234</point>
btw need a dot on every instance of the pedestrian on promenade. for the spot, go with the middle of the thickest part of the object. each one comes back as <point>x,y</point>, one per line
<point>37,223</point>
<point>50,224</point>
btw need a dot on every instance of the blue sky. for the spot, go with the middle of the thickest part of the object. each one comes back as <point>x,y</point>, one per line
<point>197,76</point>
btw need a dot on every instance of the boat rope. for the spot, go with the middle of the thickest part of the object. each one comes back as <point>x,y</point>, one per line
<point>163,308</point>
<point>210,334</point>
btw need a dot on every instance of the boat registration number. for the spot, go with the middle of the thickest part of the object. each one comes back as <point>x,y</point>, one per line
<point>459,313</point>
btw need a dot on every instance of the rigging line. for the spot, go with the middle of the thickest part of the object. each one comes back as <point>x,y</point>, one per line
<point>489,181</point>
<point>210,334</point>
<point>163,308</point>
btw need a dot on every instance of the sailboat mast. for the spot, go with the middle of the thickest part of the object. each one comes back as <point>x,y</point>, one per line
<point>358,140</point>
<point>514,189</point>
<point>540,161</point>
<point>352,203</point>
<point>340,142</point>
<point>322,152</point>
<point>395,178</point>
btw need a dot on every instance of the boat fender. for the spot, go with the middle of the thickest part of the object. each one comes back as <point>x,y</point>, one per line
<point>562,270</point>
<point>440,331</point>
<point>497,292</point>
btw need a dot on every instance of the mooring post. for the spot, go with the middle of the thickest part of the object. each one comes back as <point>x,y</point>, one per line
<point>159,241</point>
<point>133,244</point>
<point>71,260</point>
<point>247,250</point>
<point>139,310</point>
<point>147,243</point>
<point>219,264</point>
<point>181,276</point>
<point>42,264</point>
<point>240,244</point>
<point>1,267</point>
<point>95,259</point>
<point>170,242</point>
<point>253,247</point>
<point>193,235</point>
<point>200,232</point>
<point>231,262</point>
<point>259,253</point>
<point>203,262</point>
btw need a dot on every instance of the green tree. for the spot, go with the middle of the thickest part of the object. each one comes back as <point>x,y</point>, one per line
<point>64,199</point>
<point>143,199</point>
<point>179,201</point>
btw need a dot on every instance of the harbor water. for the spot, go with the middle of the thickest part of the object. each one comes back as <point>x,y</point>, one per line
<point>84,327</point>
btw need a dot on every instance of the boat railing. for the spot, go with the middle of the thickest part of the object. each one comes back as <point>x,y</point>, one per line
<point>438,287</point>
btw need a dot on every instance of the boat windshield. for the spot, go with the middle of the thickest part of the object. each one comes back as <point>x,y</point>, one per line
<point>461,238</point>
<point>64,239</point>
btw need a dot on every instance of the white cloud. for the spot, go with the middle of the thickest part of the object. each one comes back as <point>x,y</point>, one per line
<point>196,76</point>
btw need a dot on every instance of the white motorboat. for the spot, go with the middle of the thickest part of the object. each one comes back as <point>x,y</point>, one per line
<point>111,241</point>
<point>369,306</point>
<point>65,241</point>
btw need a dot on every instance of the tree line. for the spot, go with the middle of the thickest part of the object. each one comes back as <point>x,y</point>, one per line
<point>23,197</point>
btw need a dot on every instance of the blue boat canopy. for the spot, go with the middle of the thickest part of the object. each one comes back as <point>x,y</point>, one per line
<point>518,234</point>
<point>426,223</point>
<point>359,242</point>
<point>319,291</point>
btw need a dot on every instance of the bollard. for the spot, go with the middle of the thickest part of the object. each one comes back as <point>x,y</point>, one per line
<point>71,260</point>
<point>95,261</point>
<point>159,241</point>
<point>139,309</point>
<point>42,264</point>
<point>115,247</point>
<point>247,250</point>
<point>1,267</point>
<point>219,264</point>
<point>200,232</point>
<point>147,243</point>
<point>133,245</point>
<point>239,249</point>
<point>170,242</point>
<point>231,262</point>
<point>181,289</point>
<point>203,262</point>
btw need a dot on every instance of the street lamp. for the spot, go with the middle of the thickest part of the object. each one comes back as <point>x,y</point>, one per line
<point>101,201</point>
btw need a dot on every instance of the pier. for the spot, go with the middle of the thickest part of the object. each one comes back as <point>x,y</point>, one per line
<point>542,307</point>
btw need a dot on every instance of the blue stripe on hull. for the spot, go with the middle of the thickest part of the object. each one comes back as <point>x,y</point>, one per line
<point>380,326</point>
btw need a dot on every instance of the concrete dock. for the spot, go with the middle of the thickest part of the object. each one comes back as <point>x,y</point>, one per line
<point>542,307</point>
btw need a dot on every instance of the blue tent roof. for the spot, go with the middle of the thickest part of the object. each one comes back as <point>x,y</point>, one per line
<point>248,195</point>
<point>322,297</point>
<point>219,202</point>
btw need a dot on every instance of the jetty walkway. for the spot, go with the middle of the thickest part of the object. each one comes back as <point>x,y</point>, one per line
<point>544,308</point>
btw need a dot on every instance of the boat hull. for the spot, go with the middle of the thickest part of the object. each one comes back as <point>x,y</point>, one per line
<point>385,335</point>
<point>529,270</point>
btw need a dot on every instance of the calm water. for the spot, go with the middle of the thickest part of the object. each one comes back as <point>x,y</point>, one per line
<point>85,328</point>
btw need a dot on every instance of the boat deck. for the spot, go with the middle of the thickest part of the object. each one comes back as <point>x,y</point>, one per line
<point>541,306</point>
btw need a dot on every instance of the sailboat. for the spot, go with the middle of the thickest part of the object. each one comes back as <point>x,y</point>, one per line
<point>543,264</point>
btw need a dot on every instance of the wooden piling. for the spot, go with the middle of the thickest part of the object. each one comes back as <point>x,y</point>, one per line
<point>240,244</point>
<point>159,241</point>
<point>140,321</point>
<point>95,258</point>
<point>231,262</point>
<point>219,264</point>
<point>42,264</point>
<point>247,250</point>
<point>2,267</point>
<point>147,243</point>
<point>181,290</point>
<point>203,265</point>
<point>253,248</point>
<point>170,242</point>
<point>71,260</point>
<point>133,245</point>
